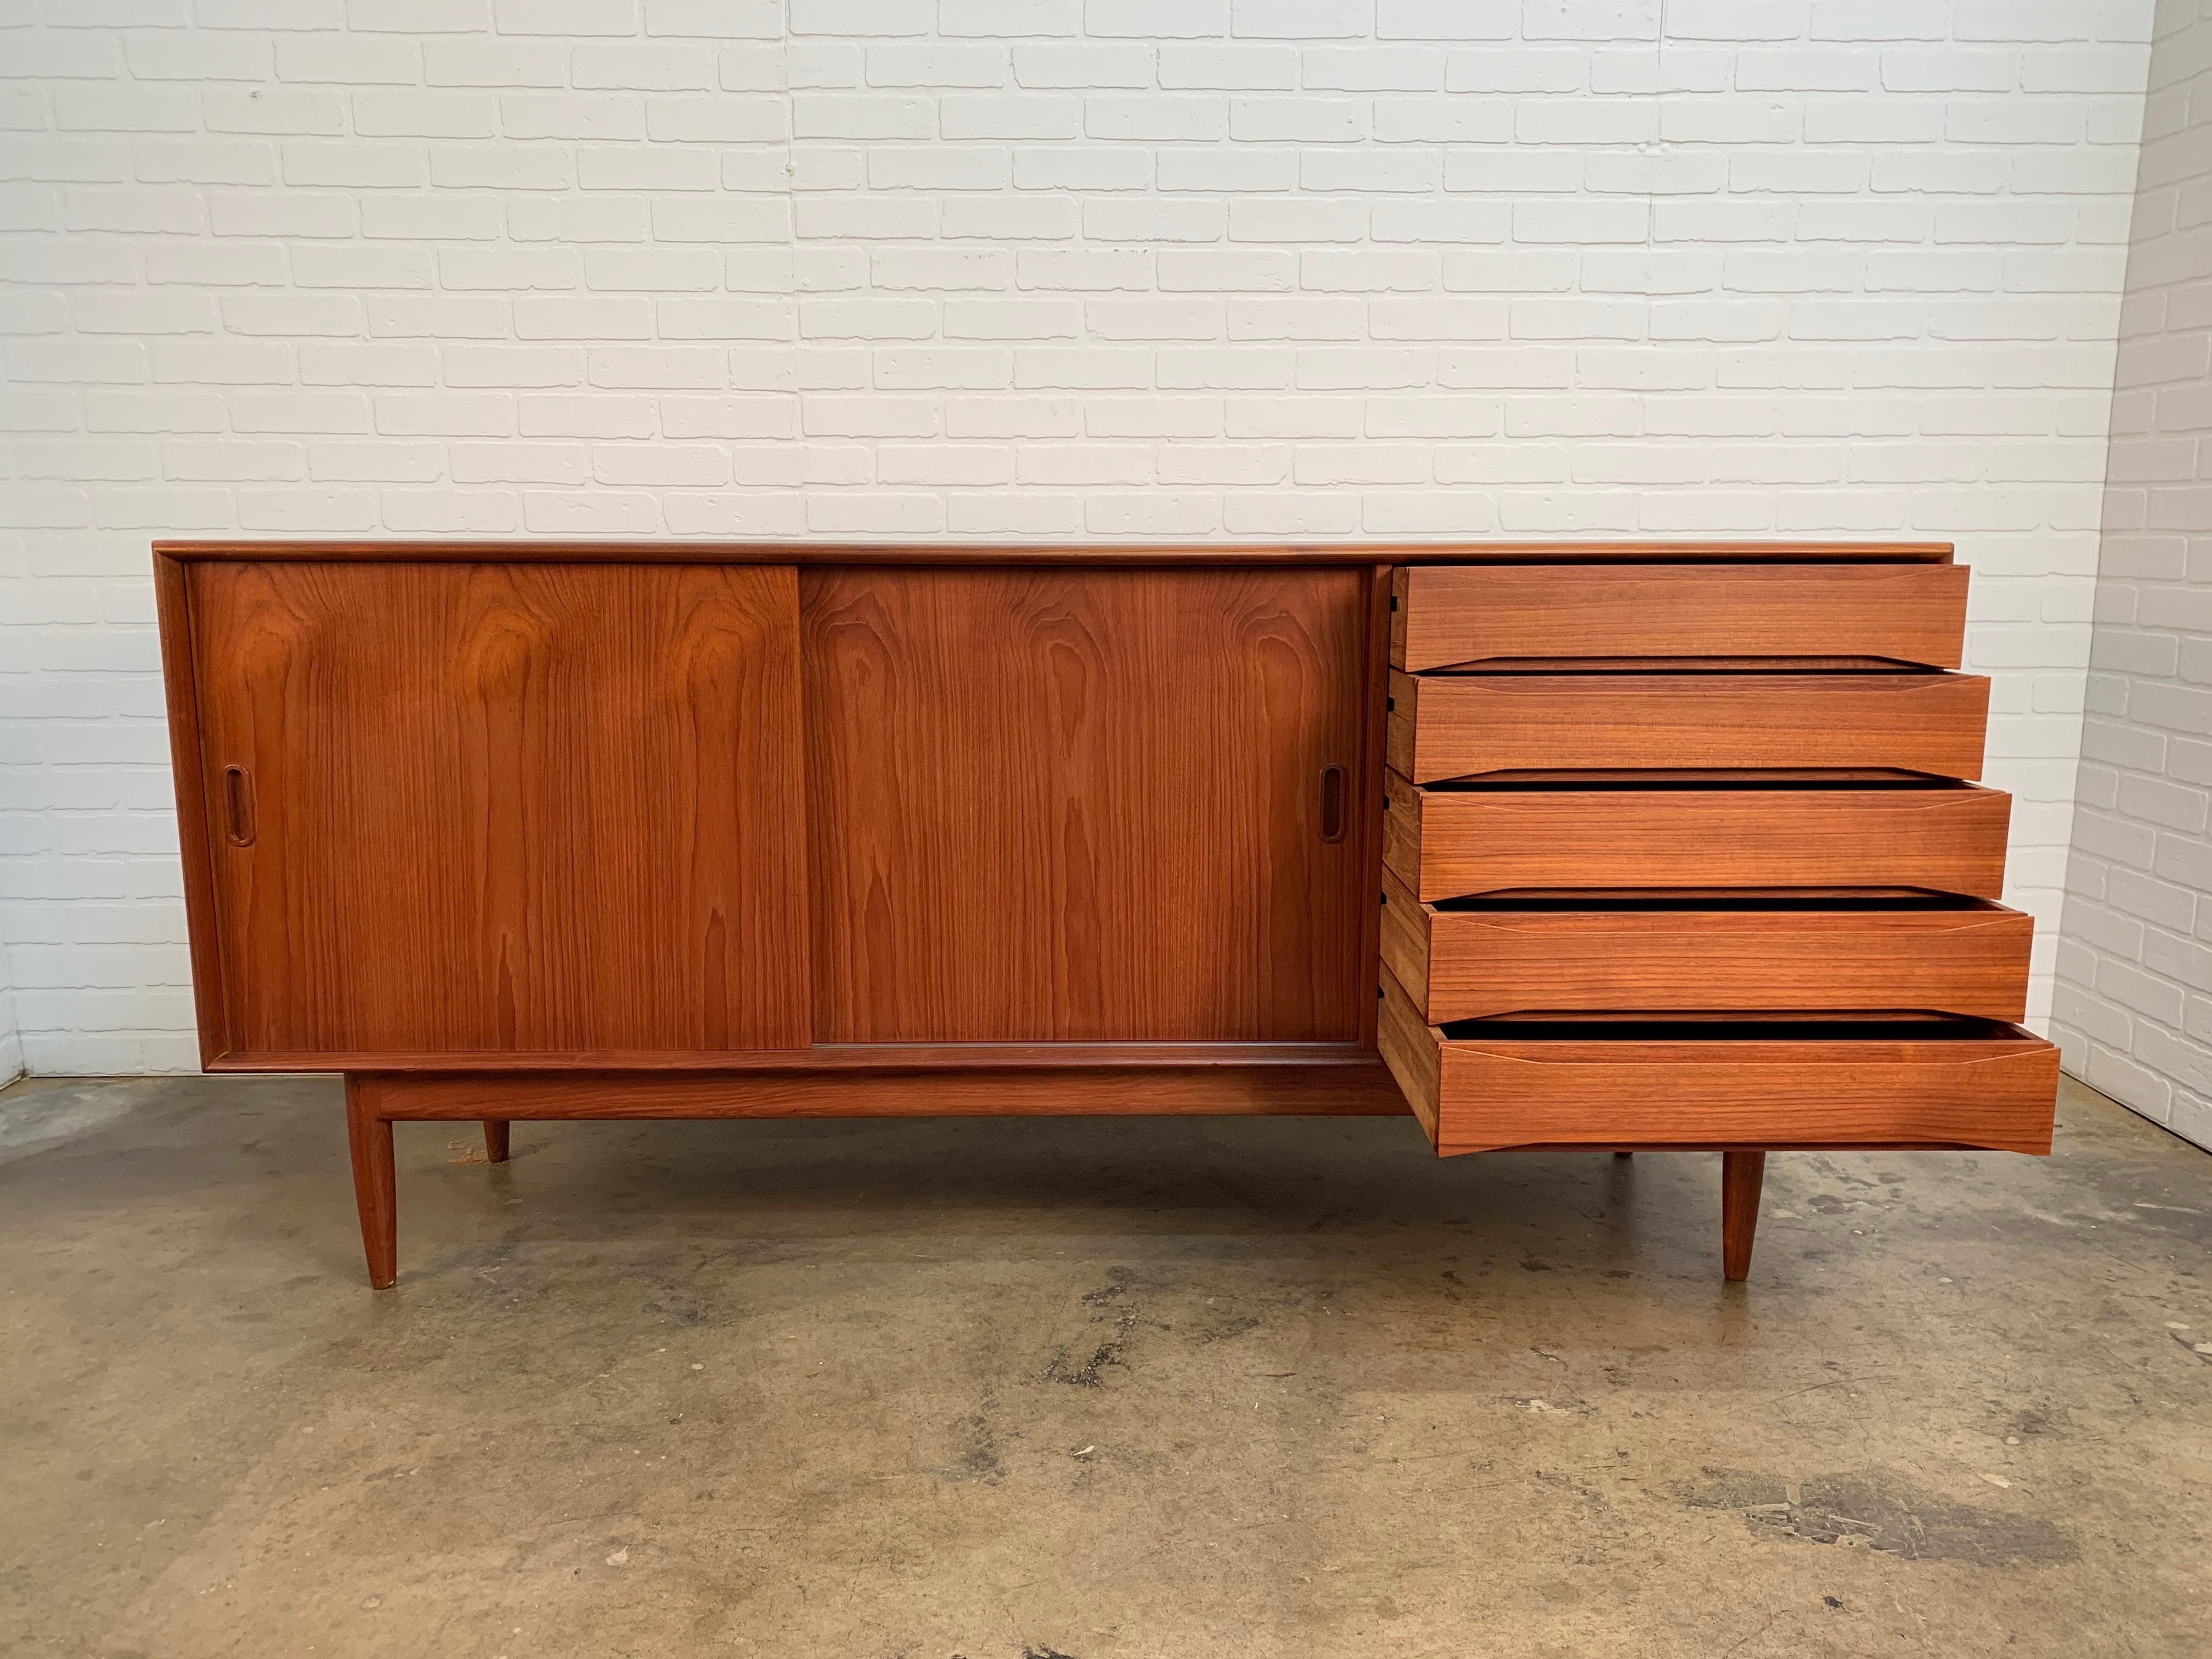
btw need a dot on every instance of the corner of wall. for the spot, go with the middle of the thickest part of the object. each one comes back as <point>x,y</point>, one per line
<point>2132,1003</point>
<point>11,1041</point>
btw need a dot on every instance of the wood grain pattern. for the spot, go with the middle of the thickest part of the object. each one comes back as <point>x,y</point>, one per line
<point>1449,725</point>
<point>502,809</point>
<point>1447,842</point>
<point>1075,806</point>
<point>1461,965</point>
<point>1997,1091</point>
<point>1117,553</point>
<point>1349,1087</point>
<point>1447,614</point>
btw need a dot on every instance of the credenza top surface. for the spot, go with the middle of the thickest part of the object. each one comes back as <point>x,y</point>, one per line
<point>1215,553</point>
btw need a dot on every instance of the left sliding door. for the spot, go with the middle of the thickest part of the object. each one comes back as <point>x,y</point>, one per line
<point>482,813</point>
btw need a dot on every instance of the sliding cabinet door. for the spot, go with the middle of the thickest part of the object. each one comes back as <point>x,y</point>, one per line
<point>1069,805</point>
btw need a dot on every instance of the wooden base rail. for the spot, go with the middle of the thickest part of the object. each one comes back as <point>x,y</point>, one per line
<point>375,1102</point>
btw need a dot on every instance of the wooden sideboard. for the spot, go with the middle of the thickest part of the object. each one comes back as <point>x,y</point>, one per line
<point>1619,846</point>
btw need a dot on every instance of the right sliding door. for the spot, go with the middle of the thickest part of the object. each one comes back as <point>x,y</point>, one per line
<point>1054,805</point>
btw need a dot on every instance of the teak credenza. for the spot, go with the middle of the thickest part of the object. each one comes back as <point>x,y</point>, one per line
<point>1612,846</point>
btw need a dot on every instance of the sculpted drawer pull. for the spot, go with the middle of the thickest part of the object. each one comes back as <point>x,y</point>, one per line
<point>1332,802</point>
<point>237,797</point>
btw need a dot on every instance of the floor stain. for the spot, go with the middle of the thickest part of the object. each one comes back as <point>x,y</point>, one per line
<point>1871,1511</point>
<point>1090,1373</point>
<point>975,1452</point>
<point>38,1123</point>
<point>1110,1351</point>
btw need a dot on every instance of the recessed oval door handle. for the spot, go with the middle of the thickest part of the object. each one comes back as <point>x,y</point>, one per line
<point>1332,802</point>
<point>238,802</point>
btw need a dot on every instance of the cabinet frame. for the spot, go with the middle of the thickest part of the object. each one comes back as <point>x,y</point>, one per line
<point>992,1078</point>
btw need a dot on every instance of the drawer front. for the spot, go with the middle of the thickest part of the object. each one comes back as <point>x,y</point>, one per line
<point>1477,1094</point>
<point>1452,613</point>
<point>1452,726</point>
<point>1695,956</point>
<point>1445,843</point>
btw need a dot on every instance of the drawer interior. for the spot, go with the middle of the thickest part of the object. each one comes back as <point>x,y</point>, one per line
<point>1676,779</point>
<point>1677,667</point>
<point>1703,900</point>
<point>1661,1027</point>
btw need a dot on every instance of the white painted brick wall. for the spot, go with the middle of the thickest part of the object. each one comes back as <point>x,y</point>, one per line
<point>1235,269</point>
<point>2133,1011</point>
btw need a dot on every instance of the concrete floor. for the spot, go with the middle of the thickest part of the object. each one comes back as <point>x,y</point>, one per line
<point>1086,1388</point>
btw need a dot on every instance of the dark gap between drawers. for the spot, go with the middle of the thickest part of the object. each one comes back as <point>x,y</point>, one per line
<point>1700,900</point>
<point>1896,1025</point>
<point>1678,667</point>
<point>1716,783</point>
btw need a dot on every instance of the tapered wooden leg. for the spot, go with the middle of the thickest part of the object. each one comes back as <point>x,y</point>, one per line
<point>1620,1154</point>
<point>1743,1174</point>
<point>375,1183</point>
<point>496,1130</point>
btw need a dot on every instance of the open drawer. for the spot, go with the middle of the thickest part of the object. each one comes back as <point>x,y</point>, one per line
<point>1476,958</point>
<point>1443,614</point>
<point>1451,726</point>
<point>1478,1086</point>
<point>1482,835</point>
